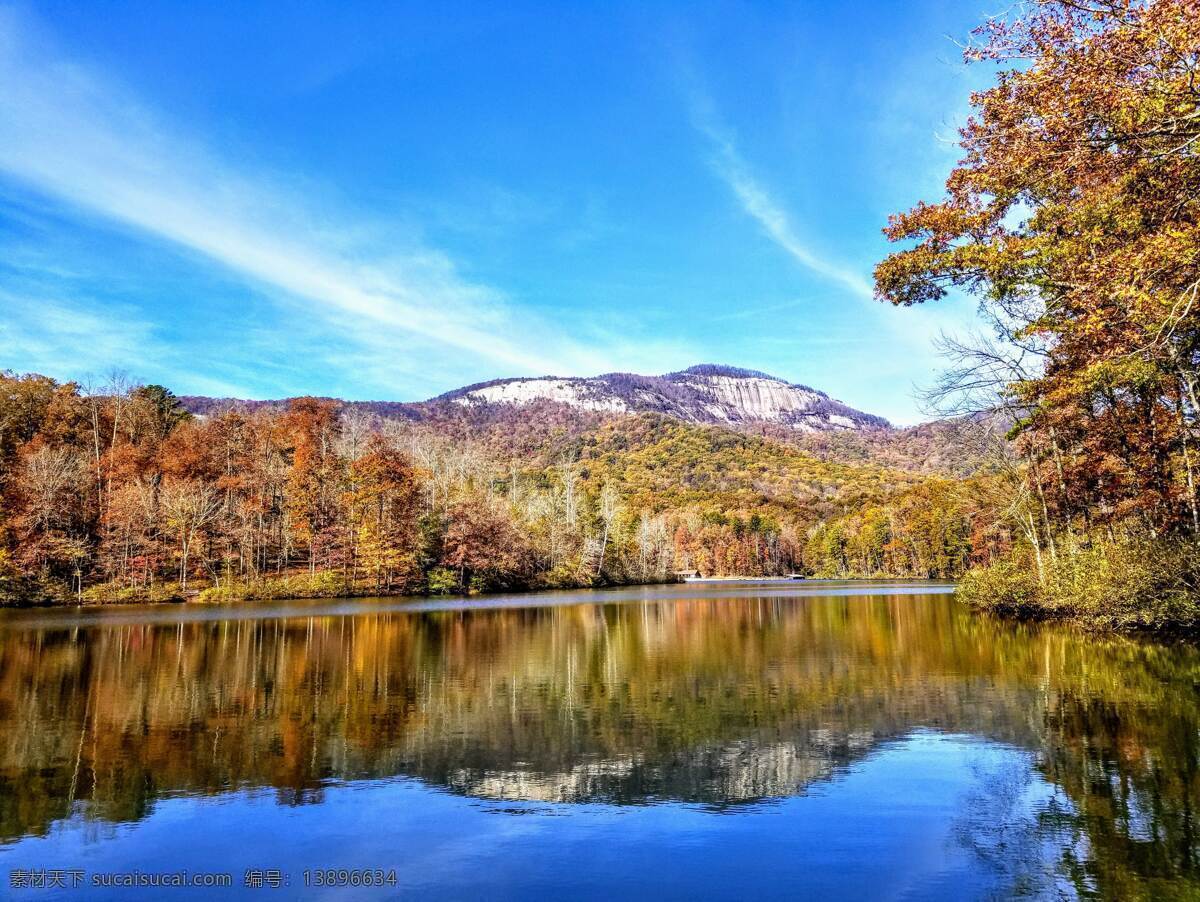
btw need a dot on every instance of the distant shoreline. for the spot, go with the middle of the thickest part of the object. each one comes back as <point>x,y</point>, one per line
<point>253,594</point>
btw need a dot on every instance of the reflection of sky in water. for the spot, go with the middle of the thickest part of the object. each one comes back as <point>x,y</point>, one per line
<point>925,816</point>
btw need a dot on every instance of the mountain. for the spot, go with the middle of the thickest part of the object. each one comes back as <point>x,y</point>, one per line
<point>522,414</point>
<point>707,394</point>
<point>710,394</point>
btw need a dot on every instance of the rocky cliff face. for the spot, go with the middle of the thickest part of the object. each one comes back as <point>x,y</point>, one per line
<point>701,394</point>
<point>707,394</point>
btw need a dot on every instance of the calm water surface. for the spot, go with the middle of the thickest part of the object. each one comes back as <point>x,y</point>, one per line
<point>865,740</point>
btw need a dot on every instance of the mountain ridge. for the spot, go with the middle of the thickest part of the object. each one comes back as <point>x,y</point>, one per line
<point>710,394</point>
<point>706,393</point>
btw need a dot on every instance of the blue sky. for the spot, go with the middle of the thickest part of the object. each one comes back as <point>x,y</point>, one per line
<point>386,201</point>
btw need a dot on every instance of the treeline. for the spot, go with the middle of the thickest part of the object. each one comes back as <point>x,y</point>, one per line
<point>1075,217</point>
<point>122,494</point>
<point>937,529</point>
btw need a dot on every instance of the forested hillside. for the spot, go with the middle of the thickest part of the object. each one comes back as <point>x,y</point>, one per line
<point>123,494</point>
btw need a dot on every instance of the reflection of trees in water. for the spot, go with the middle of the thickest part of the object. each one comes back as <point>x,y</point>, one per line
<point>1132,771</point>
<point>716,702</point>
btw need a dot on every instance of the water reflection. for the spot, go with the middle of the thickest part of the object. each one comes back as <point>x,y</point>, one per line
<point>730,700</point>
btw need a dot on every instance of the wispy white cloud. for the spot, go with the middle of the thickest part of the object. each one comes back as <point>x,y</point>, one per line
<point>890,344</point>
<point>71,134</point>
<point>883,324</point>
<point>760,205</point>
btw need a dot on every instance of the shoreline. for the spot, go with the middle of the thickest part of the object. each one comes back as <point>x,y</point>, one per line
<point>265,590</point>
<point>261,592</point>
<point>252,602</point>
<point>255,593</point>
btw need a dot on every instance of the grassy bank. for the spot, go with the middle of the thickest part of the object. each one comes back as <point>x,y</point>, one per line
<point>1128,583</point>
<point>322,584</point>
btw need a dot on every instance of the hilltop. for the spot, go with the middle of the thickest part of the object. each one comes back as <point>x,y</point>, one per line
<point>708,394</point>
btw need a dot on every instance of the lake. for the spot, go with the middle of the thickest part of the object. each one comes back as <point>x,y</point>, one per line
<point>734,740</point>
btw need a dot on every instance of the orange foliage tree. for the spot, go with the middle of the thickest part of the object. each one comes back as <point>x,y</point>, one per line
<point>1074,215</point>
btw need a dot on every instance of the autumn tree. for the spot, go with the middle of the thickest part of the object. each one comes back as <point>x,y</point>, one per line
<point>383,500</point>
<point>1073,216</point>
<point>190,507</point>
<point>53,531</point>
<point>482,545</point>
<point>313,428</point>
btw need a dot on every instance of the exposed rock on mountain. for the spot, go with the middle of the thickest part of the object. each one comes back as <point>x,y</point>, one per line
<point>701,394</point>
